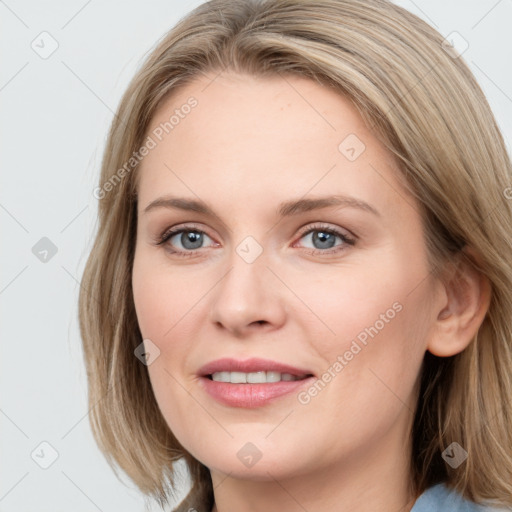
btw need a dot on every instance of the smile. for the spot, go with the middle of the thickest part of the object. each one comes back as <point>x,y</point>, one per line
<point>251,383</point>
<point>254,377</point>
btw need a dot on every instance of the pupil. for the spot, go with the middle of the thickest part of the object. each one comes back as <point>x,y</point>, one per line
<point>191,239</point>
<point>326,240</point>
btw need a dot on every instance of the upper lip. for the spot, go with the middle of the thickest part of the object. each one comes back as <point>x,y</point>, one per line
<point>250,365</point>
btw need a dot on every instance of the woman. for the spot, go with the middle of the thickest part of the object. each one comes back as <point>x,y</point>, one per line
<point>301,283</point>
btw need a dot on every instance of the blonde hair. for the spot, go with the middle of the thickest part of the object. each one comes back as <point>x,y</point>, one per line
<point>426,107</point>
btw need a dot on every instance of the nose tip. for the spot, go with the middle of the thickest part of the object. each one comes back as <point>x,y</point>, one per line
<point>249,297</point>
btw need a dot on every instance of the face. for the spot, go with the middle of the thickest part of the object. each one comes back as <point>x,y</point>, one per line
<point>272,226</point>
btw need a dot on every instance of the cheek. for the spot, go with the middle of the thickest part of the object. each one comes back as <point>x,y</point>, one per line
<point>378,319</point>
<point>161,298</point>
<point>360,302</point>
<point>157,308</point>
<point>167,305</point>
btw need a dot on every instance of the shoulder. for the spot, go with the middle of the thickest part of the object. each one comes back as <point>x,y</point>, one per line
<point>440,498</point>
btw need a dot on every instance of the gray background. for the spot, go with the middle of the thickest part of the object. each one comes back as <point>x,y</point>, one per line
<point>55,115</point>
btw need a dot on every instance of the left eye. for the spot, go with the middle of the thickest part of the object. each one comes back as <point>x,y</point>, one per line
<point>324,238</point>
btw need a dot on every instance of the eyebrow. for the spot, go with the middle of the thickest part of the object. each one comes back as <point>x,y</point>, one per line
<point>285,209</point>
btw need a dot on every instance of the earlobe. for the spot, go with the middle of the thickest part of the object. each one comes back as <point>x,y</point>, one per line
<point>463,308</point>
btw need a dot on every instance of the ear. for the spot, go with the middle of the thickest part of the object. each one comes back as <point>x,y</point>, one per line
<point>464,304</point>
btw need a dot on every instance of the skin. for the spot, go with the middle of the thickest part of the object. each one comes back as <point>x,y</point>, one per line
<point>248,145</point>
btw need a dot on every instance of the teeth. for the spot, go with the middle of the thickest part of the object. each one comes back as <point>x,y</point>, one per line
<point>253,377</point>
<point>273,376</point>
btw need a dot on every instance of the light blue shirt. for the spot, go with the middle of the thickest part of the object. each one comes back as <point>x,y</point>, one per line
<point>441,499</point>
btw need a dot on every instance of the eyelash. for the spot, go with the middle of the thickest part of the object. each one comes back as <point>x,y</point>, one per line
<point>168,234</point>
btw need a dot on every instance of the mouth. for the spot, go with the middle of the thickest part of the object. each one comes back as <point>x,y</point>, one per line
<point>251,383</point>
<point>260,377</point>
<point>251,371</point>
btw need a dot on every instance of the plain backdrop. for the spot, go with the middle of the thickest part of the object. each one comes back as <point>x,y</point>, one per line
<point>55,113</point>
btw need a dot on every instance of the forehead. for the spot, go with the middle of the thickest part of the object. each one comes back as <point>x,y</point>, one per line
<point>248,137</point>
<point>240,114</point>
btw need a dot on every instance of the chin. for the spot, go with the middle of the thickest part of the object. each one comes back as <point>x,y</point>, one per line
<point>247,463</point>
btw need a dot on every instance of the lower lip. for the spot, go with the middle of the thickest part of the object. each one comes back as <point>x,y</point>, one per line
<point>251,395</point>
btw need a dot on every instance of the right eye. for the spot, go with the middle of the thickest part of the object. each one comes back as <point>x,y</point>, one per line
<point>183,240</point>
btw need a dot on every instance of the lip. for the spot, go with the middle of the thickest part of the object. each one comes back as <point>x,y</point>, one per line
<point>254,364</point>
<point>250,395</point>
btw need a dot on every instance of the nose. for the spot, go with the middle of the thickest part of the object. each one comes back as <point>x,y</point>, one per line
<point>248,298</point>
